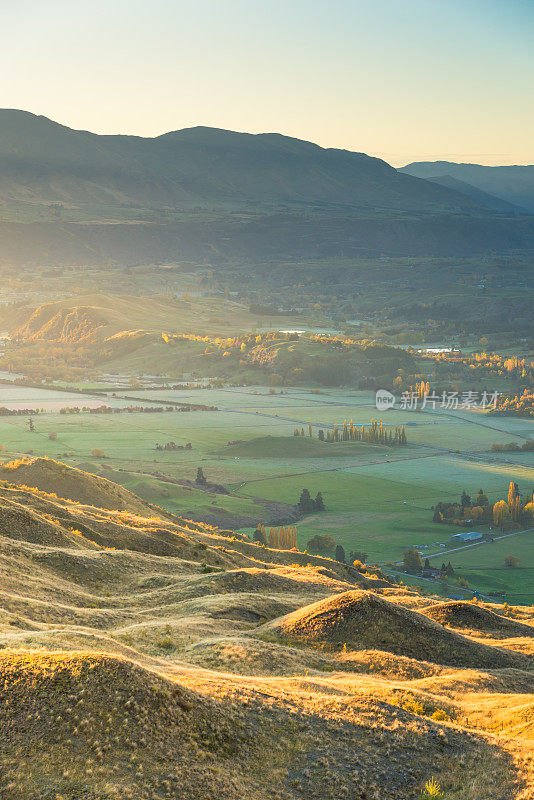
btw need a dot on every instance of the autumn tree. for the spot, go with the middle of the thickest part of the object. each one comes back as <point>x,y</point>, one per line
<point>501,514</point>
<point>513,492</point>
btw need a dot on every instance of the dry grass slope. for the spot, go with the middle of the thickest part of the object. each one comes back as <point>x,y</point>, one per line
<point>470,616</point>
<point>150,657</point>
<point>70,483</point>
<point>359,620</point>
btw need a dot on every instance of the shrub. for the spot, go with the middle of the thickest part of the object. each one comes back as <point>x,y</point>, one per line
<point>431,789</point>
<point>97,453</point>
<point>165,643</point>
<point>52,436</point>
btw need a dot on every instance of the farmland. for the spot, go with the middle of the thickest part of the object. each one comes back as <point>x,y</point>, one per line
<point>378,498</point>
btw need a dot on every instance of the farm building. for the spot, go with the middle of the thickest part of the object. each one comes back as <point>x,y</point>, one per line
<point>467,536</point>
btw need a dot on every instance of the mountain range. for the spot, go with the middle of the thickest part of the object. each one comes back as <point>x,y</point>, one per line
<point>43,161</point>
<point>217,195</point>
<point>512,187</point>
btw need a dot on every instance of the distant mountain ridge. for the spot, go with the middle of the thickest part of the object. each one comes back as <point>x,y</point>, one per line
<point>217,196</point>
<point>41,160</point>
<point>514,184</point>
<point>485,199</point>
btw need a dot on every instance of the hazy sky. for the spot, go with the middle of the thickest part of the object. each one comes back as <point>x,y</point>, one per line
<point>402,79</point>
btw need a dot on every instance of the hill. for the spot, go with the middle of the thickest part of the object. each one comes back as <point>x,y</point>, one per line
<point>151,657</point>
<point>46,162</point>
<point>363,620</point>
<point>460,614</point>
<point>74,484</point>
<point>513,184</point>
<point>215,196</point>
<point>91,318</point>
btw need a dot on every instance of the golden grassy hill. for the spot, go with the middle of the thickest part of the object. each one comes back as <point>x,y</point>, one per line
<point>461,614</point>
<point>359,620</point>
<point>148,657</point>
<point>95,317</point>
<point>70,483</point>
<point>121,731</point>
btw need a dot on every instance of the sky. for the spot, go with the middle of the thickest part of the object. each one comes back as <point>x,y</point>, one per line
<point>405,80</point>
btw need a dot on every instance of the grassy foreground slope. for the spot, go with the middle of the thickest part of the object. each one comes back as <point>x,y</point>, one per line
<point>144,639</point>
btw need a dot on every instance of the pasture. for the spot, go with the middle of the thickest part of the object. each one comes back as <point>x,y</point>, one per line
<point>378,498</point>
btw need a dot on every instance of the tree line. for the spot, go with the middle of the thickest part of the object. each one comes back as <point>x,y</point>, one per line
<point>279,538</point>
<point>504,513</point>
<point>376,433</point>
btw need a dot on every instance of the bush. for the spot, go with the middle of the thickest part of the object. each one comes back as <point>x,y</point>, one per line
<point>52,437</point>
<point>97,453</point>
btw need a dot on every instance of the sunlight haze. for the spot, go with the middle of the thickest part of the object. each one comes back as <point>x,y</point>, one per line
<point>404,81</point>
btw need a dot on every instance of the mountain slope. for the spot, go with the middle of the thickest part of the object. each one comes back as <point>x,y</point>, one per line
<point>514,184</point>
<point>485,199</point>
<point>42,161</point>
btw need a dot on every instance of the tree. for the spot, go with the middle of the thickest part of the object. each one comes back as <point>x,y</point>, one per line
<point>321,545</point>
<point>426,565</point>
<point>306,504</point>
<point>318,503</point>
<point>97,453</point>
<point>465,500</point>
<point>320,435</point>
<point>449,570</point>
<point>412,561</point>
<point>438,513</point>
<point>340,554</point>
<point>514,501</point>
<point>481,500</point>
<point>201,478</point>
<point>501,514</point>
<point>260,535</point>
<point>528,513</point>
<point>358,555</point>
<point>511,561</point>
<point>31,426</point>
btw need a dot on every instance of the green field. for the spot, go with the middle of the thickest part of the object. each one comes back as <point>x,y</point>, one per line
<point>378,498</point>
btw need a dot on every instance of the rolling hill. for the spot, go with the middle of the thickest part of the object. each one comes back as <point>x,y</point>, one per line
<point>153,657</point>
<point>91,318</point>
